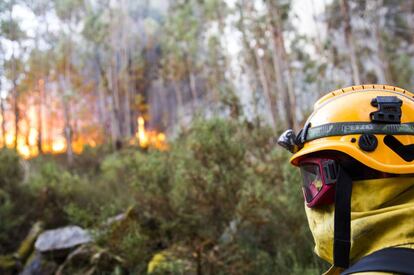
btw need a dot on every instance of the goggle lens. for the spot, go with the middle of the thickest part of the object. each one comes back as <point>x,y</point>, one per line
<point>312,182</point>
<point>319,178</point>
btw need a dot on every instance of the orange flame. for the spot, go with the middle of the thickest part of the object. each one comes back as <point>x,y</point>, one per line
<point>28,138</point>
<point>150,138</point>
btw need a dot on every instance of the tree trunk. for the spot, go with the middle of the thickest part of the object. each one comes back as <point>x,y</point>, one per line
<point>40,116</point>
<point>265,85</point>
<point>384,74</point>
<point>2,113</point>
<point>16,111</point>
<point>14,84</point>
<point>115,121</point>
<point>66,114</point>
<point>191,79</point>
<point>281,66</point>
<point>15,101</point>
<point>179,100</point>
<point>113,77</point>
<point>68,132</point>
<point>3,121</point>
<point>101,107</point>
<point>104,87</point>
<point>114,126</point>
<point>350,42</point>
<point>252,76</point>
<point>127,100</point>
<point>125,59</point>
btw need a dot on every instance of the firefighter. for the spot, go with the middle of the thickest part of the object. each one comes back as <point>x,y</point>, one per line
<point>356,156</point>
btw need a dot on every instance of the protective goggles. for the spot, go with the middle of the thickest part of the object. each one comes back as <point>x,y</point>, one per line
<point>319,178</point>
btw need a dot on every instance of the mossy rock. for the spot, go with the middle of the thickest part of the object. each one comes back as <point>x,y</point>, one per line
<point>13,262</point>
<point>8,263</point>
<point>27,245</point>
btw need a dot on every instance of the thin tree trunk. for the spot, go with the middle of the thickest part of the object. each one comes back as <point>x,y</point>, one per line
<point>127,101</point>
<point>281,66</point>
<point>114,126</point>
<point>40,116</point>
<point>3,121</point>
<point>68,132</point>
<point>14,88</point>
<point>3,117</point>
<point>126,65</point>
<point>104,83</point>
<point>350,42</point>
<point>126,113</point>
<point>270,98</point>
<point>50,123</point>
<point>115,123</point>
<point>179,100</point>
<point>384,76</point>
<point>253,82</point>
<point>67,118</point>
<point>15,105</point>
<point>101,107</point>
<point>191,79</point>
<point>116,120</point>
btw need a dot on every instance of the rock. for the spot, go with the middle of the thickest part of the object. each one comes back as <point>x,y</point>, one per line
<point>62,239</point>
<point>38,265</point>
<point>15,261</point>
<point>26,246</point>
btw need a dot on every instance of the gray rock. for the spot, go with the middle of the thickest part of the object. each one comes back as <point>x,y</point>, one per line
<point>62,238</point>
<point>38,265</point>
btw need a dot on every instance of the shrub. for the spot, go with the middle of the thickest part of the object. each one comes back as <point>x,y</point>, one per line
<point>223,194</point>
<point>223,191</point>
<point>11,171</point>
<point>14,198</point>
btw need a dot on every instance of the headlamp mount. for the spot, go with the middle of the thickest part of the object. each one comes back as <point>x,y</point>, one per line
<point>292,142</point>
<point>389,109</point>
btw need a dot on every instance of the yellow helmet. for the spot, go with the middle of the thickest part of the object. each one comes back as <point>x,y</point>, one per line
<point>374,124</point>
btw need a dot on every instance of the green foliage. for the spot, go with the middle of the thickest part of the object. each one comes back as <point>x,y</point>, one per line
<point>11,30</point>
<point>221,193</point>
<point>13,199</point>
<point>222,200</point>
<point>9,222</point>
<point>11,172</point>
<point>73,197</point>
<point>68,9</point>
<point>95,28</point>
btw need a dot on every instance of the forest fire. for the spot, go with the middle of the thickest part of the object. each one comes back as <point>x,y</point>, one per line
<point>27,146</point>
<point>147,138</point>
<point>27,143</point>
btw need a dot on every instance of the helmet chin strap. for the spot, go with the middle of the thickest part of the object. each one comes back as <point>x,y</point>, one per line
<point>342,220</point>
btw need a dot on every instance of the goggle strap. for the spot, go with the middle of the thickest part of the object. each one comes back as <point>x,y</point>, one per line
<point>342,220</point>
